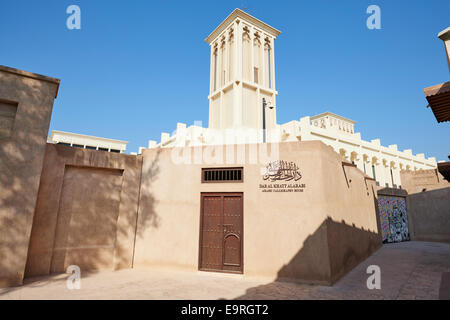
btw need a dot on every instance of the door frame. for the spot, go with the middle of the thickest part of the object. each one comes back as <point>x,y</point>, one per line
<point>222,194</point>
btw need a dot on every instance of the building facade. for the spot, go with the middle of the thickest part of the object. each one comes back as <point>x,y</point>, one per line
<point>209,199</point>
<point>301,213</point>
<point>384,164</point>
<point>242,107</point>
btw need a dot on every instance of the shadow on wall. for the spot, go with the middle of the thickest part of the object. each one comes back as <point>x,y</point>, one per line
<point>347,246</point>
<point>141,220</point>
<point>147,215</point>
<point>87,219</point>
<point>429,215</point>
<point>87,211</point>
<point>21,157</point>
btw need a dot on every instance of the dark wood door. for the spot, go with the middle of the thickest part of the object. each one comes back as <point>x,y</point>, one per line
<point>221,232</point>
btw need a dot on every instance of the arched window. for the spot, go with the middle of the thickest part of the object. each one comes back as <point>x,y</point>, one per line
<point>223,75</point>
<point>246,63</point>
<point>256,59</point>
<point>269,69</point>
<point>230,55</point>
<point>215,69</point>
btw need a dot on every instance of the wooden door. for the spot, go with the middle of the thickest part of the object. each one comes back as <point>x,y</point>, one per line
<point>221,232</point>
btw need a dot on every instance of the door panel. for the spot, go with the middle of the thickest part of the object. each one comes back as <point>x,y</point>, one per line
<point>221,232</point>
<point>232,226</point>
<point>232,252</point>
<point>211,246</point>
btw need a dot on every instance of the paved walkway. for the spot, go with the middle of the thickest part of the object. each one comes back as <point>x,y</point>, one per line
<point>409,270</point>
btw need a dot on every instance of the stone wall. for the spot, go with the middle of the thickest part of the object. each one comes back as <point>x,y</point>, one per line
<point>428,205</point>
<point>86,211</point>
<point>26,102</point>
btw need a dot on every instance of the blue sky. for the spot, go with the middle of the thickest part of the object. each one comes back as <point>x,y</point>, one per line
<point>124,76</point>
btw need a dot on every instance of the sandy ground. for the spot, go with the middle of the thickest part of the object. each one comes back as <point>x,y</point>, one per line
<point>409,270</point>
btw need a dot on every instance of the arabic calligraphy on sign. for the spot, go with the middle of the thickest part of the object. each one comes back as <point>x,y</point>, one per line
<point>281,170</point>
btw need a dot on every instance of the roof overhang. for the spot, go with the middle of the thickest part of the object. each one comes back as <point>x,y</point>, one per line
<point>79,135</point>
<point>444,169</point>
<point>237,13</point>
<point>444,35</point>
<point>438,98</point>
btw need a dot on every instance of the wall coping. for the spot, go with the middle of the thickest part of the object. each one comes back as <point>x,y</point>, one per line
<point>392,192</point>
<point>32,75</point>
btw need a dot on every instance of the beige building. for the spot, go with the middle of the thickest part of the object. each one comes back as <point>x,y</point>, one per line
<point>296,211</point>
<point>304,216</point>
<point>242,107</point>
<point>384,164</point>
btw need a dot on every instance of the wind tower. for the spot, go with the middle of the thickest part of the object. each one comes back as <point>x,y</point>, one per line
<point>242,73</point>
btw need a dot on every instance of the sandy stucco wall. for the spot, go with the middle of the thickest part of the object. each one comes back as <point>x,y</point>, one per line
<point>351,205</point>
<point>26,102</point>
<point>86,211</point>
<point>428,205</point>
<point>298,235</point>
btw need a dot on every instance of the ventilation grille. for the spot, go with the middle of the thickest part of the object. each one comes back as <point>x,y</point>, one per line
<point>222,175</point>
